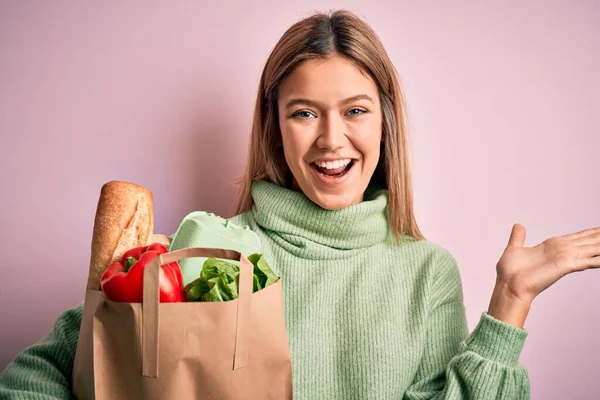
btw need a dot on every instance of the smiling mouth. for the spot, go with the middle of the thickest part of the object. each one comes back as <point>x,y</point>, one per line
<point>334,172</point>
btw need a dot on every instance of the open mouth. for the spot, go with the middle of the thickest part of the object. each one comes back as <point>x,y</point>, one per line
<point>333,170</point>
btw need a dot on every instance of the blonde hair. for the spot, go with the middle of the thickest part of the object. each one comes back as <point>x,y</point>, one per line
<point>319,36</point>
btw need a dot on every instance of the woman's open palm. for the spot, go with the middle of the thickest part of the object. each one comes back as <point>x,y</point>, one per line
<point>528,271</point>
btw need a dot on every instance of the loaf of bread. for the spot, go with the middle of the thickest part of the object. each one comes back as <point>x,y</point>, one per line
<point>124,220</point>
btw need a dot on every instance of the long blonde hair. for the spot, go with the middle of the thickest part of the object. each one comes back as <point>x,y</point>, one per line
<point>317,37</point>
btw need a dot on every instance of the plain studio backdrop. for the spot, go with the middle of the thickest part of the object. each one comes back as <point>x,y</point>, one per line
<point>503,107</point>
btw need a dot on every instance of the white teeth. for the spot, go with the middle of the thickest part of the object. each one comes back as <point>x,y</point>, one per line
<point>333,164</point>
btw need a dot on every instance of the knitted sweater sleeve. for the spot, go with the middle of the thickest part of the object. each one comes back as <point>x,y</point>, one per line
<point>458,366</point>
<point>43,370</point>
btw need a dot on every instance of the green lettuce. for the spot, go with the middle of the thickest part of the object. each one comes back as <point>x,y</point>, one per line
<point>219,279</point>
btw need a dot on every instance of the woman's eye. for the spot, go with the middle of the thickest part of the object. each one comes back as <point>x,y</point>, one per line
<point>303,114</point>
<point>355,111</point>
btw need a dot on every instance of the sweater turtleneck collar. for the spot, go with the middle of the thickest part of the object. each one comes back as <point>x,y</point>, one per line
<point>289,216</point>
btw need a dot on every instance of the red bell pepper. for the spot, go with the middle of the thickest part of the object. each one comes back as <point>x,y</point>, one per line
<point>123,280</point>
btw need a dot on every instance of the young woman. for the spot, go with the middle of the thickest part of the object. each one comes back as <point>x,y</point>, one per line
<point>373,310</point>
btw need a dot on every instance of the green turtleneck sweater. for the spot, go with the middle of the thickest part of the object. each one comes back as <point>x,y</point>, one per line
<point>367,317</point>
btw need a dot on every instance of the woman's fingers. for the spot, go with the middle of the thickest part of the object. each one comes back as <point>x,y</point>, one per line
<point>582,264</point>
<point>589,239</point>
<point>594,262</point>
<point>588,251</point>
<point>582,234</point>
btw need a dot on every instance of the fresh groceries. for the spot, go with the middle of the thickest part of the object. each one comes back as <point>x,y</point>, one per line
<point>122,249</point>
<point>219,279</point>
<point>123,280</point>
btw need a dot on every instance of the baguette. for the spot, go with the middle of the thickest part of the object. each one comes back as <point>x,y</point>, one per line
<point>124,220</point>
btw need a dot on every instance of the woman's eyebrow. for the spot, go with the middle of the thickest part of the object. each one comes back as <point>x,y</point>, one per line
<point>358,97</point>
<point>297,101</point>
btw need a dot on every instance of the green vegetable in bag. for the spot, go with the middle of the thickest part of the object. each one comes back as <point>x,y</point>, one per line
<point>219,279</point>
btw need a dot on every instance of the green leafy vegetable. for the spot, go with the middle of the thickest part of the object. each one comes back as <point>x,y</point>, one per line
<point>219,279</point>
<point>262,272</point>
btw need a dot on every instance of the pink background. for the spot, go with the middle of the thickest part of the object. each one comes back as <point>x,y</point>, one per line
<point>503,101</point>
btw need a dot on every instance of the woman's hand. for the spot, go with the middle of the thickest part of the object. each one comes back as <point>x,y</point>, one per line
<point>525,272</point>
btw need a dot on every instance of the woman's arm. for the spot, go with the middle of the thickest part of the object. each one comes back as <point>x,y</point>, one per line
<point>484,365</point>
<point>458,366</point>
<point>43,370</point>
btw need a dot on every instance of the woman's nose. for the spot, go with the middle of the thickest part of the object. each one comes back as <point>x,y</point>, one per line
<point>332,133</point>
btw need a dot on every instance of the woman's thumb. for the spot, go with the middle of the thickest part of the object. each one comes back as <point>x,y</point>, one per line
<point>517,236</point>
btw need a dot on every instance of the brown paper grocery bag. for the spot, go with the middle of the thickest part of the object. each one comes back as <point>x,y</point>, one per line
<point>199,350</point>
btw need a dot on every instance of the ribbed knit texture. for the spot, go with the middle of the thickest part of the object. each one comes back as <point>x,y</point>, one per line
<point>367,318</point>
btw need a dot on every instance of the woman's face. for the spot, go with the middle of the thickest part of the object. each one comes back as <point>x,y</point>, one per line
<point>331,128</point>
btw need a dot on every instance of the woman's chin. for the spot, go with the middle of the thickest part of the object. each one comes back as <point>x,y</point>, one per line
<point>332,201</point>
<point>329,198</point>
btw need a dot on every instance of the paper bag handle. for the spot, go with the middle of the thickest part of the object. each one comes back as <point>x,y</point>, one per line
<point>151,299</point>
